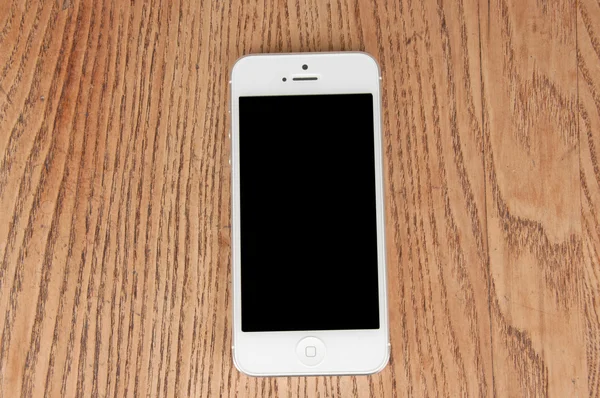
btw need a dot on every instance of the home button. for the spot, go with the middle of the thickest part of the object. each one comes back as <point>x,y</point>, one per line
<point>310,351</point>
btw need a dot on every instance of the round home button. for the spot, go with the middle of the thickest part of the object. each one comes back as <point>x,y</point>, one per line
<point>310,351</point>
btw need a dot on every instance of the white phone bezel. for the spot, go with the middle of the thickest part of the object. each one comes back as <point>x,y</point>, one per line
<point>348,351</point>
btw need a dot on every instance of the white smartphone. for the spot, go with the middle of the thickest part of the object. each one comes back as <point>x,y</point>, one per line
<point>309,260</point>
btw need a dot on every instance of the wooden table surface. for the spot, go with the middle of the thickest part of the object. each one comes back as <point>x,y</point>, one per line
<point>114,193</point>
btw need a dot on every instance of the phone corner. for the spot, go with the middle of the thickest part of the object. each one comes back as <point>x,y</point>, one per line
<point>236,362</point>
<point>371,58</point>
<point>384,362</point>
<point>236,65</point>
<point>238,365</point>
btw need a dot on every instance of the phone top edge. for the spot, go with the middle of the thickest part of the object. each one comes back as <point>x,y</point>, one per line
<point>309,54</point>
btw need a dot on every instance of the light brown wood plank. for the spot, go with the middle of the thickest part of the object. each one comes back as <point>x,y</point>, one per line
<point>532,184</point>
<point>429,55</point>
<point>588,62</point>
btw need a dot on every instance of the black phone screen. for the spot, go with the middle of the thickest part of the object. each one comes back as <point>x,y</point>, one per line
<point>308,213</point>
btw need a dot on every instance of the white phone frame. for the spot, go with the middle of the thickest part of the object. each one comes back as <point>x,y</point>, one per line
<point>348,351</point>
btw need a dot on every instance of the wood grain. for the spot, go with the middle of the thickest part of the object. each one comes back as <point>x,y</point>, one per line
<point>532,183</point>
<point>588,73</point>
<point>114,190</point>
<point>438,285</point>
